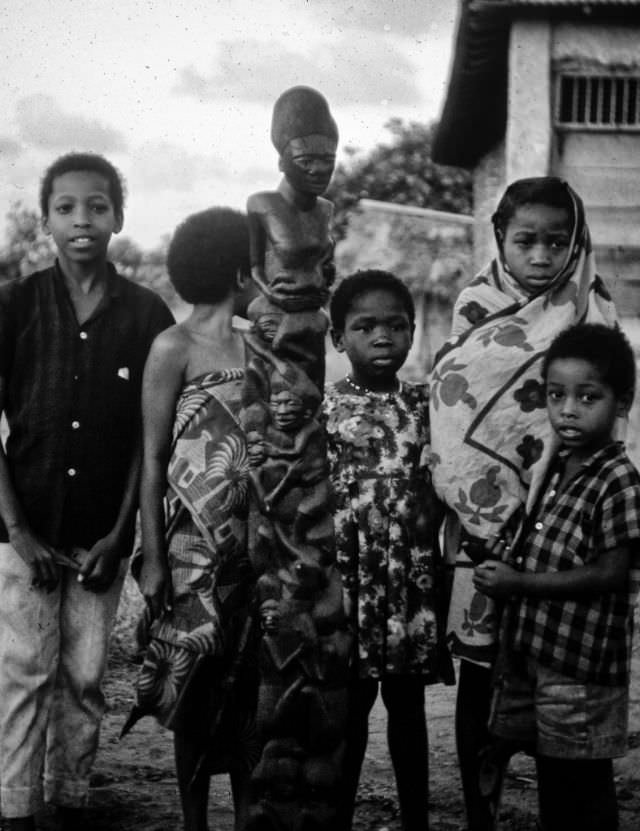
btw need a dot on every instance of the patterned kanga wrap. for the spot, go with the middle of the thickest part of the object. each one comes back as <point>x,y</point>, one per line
<point>489,429</point>
<point>200,651</point>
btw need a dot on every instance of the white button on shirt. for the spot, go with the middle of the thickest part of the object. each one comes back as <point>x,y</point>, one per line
<point>71,471</point>
<point>83,336</point>
<point>75,424</point>
<point>538,526</point>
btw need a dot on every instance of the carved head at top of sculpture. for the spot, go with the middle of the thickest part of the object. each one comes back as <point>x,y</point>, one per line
<point>305,135</point>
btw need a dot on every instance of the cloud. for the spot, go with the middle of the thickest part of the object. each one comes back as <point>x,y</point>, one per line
<point>405,17</point>
<point>163,165</point>
<point>356,70</point>
<point>43,123</point>
<point>9,149</point>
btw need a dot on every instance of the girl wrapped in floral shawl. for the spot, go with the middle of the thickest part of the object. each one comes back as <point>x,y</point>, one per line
<point>489,430</point>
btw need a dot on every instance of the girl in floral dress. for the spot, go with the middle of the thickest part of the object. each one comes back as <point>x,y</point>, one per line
<point>386,529</point>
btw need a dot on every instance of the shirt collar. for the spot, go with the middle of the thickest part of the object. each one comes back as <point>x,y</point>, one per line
<point>609,451</point>
<point>114,285</point>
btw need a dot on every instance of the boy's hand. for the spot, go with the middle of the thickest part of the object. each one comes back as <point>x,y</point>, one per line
<point>499,545</point>
<point>38,556</point>
<point>100,567</point>
<point>155,584</point>
<point>496,579</point>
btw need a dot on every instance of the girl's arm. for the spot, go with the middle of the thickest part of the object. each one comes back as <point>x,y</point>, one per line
<point>608,573</point>
<point>161,384</point>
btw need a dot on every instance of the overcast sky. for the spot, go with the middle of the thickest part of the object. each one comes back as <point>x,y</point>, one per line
<point>179,94</point>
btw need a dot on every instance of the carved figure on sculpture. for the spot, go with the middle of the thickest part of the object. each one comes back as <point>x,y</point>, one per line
<point>292,479</point>
<point>305,648</point>
<point>299,337</point>
<point>294,792</point>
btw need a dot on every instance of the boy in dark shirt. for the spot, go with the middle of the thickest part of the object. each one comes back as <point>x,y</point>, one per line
<point>569,584</point>
<point>73,342</point>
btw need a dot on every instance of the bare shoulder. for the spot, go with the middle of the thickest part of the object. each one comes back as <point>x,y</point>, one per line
<point>170,349</point>
<point>325,205</point>
<point>262,201</point>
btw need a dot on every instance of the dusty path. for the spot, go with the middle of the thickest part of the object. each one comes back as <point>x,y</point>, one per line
<point>134,789</point>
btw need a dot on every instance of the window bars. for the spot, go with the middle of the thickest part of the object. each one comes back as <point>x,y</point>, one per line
<point>598,102</point>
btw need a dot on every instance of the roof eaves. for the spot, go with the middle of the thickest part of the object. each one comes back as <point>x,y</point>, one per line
<point>474,115</point>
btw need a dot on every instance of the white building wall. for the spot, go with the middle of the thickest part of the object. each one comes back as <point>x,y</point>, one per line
<point>528,143</point>
<point>604,166</point>
<point>602,44</point>
<point>488,185</point>
<point>526,149</point>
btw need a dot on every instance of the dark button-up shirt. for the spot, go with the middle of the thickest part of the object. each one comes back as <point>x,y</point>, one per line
<point>72,400</point>
<point>597,510</point>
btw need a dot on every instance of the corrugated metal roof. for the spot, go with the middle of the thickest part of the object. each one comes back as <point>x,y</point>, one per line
<point>474,115</point>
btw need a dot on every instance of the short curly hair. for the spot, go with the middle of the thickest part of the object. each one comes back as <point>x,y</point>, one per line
<point>606,348</point>
<point>206,252</point>
<point>537,190</point>
<point>81,162</point>
<point>360,283</point>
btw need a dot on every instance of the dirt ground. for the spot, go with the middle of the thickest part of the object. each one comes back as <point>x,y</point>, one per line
<point>134,787</point>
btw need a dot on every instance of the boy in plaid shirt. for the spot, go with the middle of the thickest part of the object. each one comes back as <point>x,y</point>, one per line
<point>569,586</point>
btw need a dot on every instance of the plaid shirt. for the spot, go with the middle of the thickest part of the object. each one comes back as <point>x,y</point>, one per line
<point>72,400</point>
<point>598,510</point>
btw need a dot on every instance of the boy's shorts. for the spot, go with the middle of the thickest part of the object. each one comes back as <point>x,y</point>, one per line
<point>557,716</point>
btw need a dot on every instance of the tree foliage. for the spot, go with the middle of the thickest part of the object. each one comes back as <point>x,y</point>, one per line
<point>399,171</point>
<point>29,249</point>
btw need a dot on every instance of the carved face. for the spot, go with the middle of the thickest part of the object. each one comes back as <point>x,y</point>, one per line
<point>308,163</point>
<point>255,448</point>
<point>288,410</point>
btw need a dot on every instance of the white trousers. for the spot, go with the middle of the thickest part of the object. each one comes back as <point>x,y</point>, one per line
<point>53,655</point>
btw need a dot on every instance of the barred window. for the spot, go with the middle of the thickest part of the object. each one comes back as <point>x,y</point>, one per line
<point>598,102</point>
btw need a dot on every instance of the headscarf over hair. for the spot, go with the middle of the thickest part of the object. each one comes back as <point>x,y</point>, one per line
<point>490,434</point>
<point>298,112</point>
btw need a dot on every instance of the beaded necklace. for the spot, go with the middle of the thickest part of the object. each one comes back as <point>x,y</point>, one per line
<point>366,391</point>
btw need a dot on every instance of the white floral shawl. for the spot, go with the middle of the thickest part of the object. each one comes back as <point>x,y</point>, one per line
<point>489,428</point>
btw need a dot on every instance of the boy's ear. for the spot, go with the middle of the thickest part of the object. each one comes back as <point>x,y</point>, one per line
<point>623,404</point>
<point>242,280</point>
<point>245,288</point>
<point>118,223</point>
<point>45,225</point>
<point>338,340</point>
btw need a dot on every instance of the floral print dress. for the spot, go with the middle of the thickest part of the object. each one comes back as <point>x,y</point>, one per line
<point>377,446</point>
